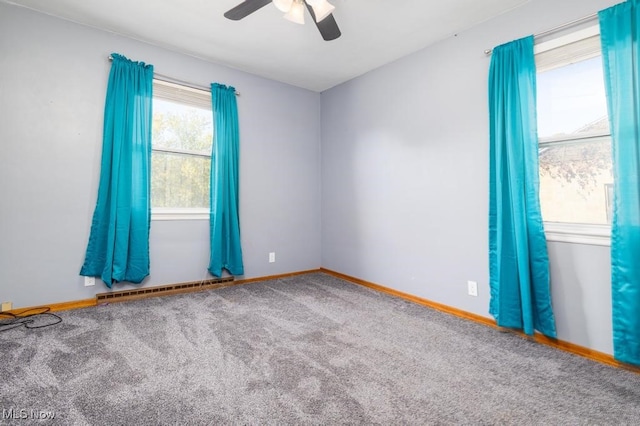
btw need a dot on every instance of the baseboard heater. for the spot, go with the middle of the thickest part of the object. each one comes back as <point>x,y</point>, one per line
<point>124,295</point>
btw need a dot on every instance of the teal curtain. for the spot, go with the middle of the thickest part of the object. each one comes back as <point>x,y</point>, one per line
<point>226,250</point>
<point>118,248</point>
<point>620,35</point>
<point>518,260</point>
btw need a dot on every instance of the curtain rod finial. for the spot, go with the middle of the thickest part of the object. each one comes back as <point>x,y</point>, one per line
<point>488,51</point>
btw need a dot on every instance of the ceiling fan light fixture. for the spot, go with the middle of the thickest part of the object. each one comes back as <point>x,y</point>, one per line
<point>321,8</point>
<point>283,5</point>
<point>296,13</point>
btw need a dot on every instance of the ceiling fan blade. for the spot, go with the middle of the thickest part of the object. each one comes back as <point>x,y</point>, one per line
<point>328,27</point>
<point>245,9</point>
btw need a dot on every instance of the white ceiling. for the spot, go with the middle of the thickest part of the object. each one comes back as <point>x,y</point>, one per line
<point>374,32</point>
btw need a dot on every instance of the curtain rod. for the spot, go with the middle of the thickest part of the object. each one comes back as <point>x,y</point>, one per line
<point>558,28</point>
<point>180,82</point>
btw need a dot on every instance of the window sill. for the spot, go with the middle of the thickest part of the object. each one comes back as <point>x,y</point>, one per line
<point>179,214</point>
<point>578,233</point>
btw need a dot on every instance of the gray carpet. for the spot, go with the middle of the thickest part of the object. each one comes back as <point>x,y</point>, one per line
<point>310,349</point>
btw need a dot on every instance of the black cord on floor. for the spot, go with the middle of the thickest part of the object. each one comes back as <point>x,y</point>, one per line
<point>9,321</point>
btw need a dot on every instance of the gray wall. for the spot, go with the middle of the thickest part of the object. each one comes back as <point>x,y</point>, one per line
<point>405,178</point>
<point>53,77</point>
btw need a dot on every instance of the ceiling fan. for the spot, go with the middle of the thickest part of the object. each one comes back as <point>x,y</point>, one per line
<point>320,10</point>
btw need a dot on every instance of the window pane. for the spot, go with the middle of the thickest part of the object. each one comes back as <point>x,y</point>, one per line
<point>179,180</point>
<point>572,101</point>
<point>178,126</point>
<point>576,181</point>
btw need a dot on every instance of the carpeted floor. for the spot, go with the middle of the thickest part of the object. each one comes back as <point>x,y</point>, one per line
<point>310,349</point>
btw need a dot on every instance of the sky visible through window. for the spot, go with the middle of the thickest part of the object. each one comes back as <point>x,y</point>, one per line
<point>570,98</point>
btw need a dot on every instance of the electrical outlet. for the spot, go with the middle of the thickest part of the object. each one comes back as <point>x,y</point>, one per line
<point>272,257</point>
<point>472,288</point>
<point>89,281</point>
<point>6,306</point>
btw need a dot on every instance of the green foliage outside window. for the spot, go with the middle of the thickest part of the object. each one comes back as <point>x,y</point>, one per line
<point>180,179</point>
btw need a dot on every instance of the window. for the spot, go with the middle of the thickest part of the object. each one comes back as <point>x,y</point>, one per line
<point>182,135</point>
<point>574,137</point>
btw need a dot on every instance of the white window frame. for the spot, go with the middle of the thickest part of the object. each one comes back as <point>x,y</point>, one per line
<point>180,213</point>
<point>565,232</point>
